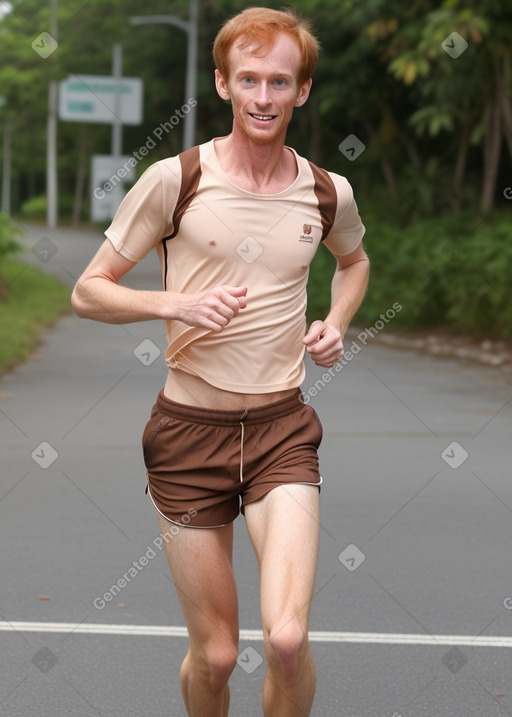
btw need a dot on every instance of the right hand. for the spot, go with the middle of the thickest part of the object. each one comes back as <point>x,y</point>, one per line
<point>212,309</point>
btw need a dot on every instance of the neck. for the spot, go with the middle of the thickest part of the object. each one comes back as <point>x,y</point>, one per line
<point>260,166</point>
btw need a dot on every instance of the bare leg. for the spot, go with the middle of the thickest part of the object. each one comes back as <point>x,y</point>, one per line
<point>200,560</point>
<point>284,530</point>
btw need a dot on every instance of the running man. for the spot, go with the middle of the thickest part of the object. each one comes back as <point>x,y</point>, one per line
<point>236,222</point>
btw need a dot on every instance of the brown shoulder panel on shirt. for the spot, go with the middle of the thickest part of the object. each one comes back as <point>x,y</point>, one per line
<point>327,198</point>
<point>190,175</point>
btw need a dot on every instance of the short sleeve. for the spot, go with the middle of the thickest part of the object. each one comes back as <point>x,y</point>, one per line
<point>139,223</point>
<point>347,230</point>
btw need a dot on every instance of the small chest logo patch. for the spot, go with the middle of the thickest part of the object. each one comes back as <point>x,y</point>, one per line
<point>306,236</point>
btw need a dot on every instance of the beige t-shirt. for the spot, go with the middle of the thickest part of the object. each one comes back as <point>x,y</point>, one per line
<point>209,232</point>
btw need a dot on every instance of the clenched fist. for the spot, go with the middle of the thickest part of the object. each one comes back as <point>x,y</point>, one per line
<point>212,309</point>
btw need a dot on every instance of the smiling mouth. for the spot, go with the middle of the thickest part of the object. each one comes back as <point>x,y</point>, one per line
<point>263,118</point>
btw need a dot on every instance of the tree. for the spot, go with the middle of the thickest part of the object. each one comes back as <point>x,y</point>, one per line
<point>435,126</point>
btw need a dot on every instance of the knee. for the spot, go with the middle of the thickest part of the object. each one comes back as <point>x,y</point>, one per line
<point>220,662</point>
<point>287,646</point>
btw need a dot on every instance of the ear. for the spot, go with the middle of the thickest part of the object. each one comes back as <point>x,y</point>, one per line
<point>221,86</point>
<point>303,93</point>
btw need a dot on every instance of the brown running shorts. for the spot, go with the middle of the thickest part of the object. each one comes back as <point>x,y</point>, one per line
<point>203,464</point>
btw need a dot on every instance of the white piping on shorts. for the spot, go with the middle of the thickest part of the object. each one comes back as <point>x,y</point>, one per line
<point>242,453</point>
<point>241,421</point>
<point>182,525</point>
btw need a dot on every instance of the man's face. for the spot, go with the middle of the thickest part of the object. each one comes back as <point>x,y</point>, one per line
<point>264,89</point>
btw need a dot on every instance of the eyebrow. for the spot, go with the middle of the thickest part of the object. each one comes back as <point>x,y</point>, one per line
<point>274,73</point>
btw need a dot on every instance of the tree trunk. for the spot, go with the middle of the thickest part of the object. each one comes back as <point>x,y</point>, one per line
<point>389,175</point>
<point>492,144</point>
<point>460,167</point>
<point>412,151</point>
<point>506,108</point>
<point>385,163</point>
<point>80,180</point>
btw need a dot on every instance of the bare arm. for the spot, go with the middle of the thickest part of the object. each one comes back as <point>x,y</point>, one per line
<point>348,288</point>
<point>324,339</point>
<point>98,295</point>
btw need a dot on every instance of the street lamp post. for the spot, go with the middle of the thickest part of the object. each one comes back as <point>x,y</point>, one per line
<point>190,27</point>
<point>51,134</point>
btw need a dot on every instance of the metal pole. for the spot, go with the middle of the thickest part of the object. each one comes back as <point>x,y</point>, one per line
<point>6,167</point>
<point>191,28</point>
<point>51,134</point>
<point>117,125</point>
<point>189,128</point>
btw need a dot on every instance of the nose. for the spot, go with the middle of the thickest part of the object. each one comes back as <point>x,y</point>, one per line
<point>263,97</point>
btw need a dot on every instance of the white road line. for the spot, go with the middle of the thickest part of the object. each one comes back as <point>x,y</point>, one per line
<point>375,638</point>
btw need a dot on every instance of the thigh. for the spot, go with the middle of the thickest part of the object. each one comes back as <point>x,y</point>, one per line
<point>283,451</point>
<point>284,530</point>
<point>201,566</point>
<point>190,472</point>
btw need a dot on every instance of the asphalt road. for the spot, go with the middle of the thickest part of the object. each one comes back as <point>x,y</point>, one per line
<point>415,540</point>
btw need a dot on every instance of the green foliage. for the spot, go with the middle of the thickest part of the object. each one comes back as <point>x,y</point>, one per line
<point>383,76</point>
<point>321,272</point>
<point>34,208</point>
<point>8,233</point>
<point>34,302</point>
<point>444,273</point>
<point>426,120</point>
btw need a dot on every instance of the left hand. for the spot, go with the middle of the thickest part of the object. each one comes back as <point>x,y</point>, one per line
<point>324,344</point>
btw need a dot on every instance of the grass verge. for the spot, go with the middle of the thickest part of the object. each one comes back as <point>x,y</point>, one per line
<point>30,301</point>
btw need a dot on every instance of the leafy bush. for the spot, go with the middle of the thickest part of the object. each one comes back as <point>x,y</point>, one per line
<point>446,273</point>
<point>319,284</point>
<point>35,301</point>
<point>8,232</point>
<point>34,208</point>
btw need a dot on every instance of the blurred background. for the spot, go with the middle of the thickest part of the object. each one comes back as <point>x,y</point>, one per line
<point>411,102</point>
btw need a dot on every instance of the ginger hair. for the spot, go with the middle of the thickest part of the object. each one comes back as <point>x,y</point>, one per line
<point>258,27</point>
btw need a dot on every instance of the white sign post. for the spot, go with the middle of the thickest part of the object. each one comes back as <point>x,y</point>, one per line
<point>114,100</point>
<point>108,178</point>
<point>92,98</point>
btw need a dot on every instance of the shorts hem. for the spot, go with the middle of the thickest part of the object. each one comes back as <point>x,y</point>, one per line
<point>185,525</point>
